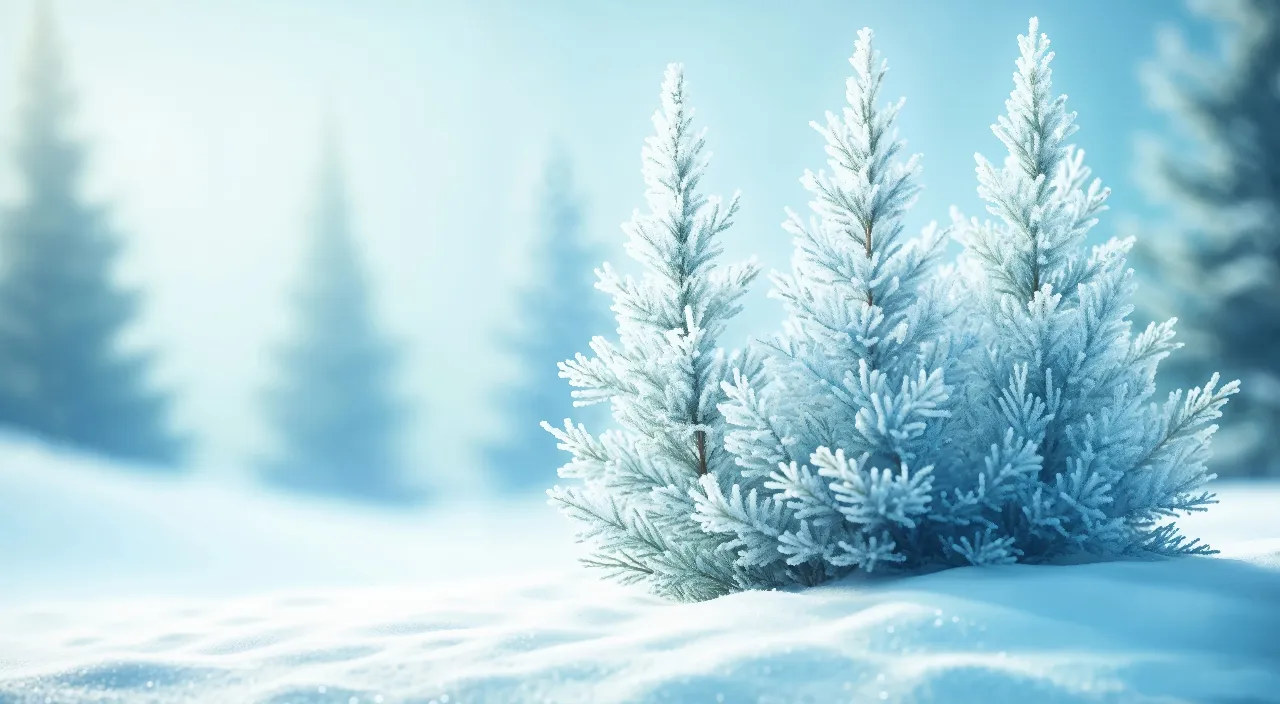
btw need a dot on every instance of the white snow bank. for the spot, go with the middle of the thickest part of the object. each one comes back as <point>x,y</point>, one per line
<point>1192,630</point>
<point>1197,630</point>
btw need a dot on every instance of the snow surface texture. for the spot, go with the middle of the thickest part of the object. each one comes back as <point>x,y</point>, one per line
<point>119,588</point>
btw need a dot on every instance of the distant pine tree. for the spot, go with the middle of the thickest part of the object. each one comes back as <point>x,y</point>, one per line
<point>1221,270</point>
<point>63,375</point>
<point>558,308</point>
<point>332,407</point>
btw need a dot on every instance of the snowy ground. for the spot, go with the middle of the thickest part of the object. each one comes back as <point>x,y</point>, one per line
<point>114,588</point>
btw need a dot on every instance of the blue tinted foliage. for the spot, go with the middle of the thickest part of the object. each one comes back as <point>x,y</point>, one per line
<point>556,312</point>
<point>1217,264</point>
<point>63,373</point>
<point>332,406</point>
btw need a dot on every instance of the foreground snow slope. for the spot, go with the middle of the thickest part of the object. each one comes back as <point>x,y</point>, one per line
<point>449,625</point>
<point>1197,630</point>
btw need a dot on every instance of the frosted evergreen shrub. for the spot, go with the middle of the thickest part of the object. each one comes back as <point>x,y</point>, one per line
<point>908,414</point>
<point>663,376</point>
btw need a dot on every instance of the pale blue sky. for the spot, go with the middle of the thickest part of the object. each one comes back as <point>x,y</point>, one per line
<point>204,120</point>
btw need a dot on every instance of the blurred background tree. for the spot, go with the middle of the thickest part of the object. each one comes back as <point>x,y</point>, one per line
<point>558,313</point>
<point>64,374</point>
<point>333,407</point>
<point>1216,265</point>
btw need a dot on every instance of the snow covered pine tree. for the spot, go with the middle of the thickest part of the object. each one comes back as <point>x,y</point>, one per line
<point>663,378</point>
<point>1080,461</point>
<point>838,437</point>
<point>902,419</point>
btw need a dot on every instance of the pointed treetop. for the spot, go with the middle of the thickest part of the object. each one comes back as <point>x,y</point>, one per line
<point>677,241</point>
<point>869,66</point>
<point>676,147</point>
<point>44,41</point>
<point>866,143</point>
<point>331,201</point>
<point>673,147</point>
<point>673,89</point>
<point>44,73</point>
<point>331,160</point>
<point>1046,209</point>
<point>859,203</point>
<point>1037,125</point>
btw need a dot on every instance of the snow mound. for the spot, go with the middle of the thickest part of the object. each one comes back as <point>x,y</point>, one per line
<point>344,606</point>
<point>1197,629</point>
